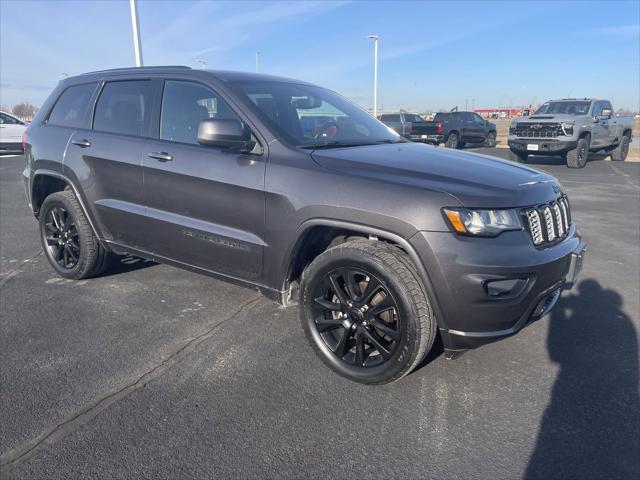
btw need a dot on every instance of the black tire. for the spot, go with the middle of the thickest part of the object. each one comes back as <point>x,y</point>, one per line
<point>453,141</point>
<point>490,141</point>
<point>577,158</point>
<point>619,154</point>
<point>345,324</point>
<point>68,240</point>
<point>519,157</point>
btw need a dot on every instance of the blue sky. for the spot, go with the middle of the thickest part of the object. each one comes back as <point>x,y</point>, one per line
<point>433,55</point>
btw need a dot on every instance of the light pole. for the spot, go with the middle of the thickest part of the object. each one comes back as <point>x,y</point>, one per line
<point>202,62</point>
<point>375,74</point>
<point>257,62</point>
<point>135,26</point>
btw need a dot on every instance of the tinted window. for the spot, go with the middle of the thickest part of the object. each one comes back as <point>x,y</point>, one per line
<point>9,120</point>
<point>390,118</point>
<point>441,117</point>
<point>570,108</point>
<point>72,107</point>
<point>124,107</point>
<point>413,118</point>
<point>184,106</point>
<point>597,109</point>
<point>309,116</point>
<point>477,118</point>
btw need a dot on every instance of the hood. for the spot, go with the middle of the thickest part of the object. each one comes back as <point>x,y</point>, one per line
<point>475,180</point>
<point>544,118</point>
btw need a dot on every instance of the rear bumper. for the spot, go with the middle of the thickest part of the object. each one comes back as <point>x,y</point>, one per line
<point>545,146</point>
<point>425,138</point>
<point>490,288</point>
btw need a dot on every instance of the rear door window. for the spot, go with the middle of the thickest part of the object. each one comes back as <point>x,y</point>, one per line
<point>72,108</point>
<point>124,107</point>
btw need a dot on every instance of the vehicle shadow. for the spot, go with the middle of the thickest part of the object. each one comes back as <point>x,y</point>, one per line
<point>550,160</point>
<point>591,427</point>
<point>125,264</point>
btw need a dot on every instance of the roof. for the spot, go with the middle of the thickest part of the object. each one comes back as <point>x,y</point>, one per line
<point>223,75</point>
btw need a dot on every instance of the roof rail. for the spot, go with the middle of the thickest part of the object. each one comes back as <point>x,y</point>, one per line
<point>151,67</point>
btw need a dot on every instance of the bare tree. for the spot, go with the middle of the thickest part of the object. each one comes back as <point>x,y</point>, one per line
<point>24,110</point>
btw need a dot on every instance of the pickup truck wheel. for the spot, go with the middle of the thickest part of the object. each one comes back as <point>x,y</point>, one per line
<point>452,141</point>
<point>67,239</point>
<point>519,157</point>
<point>619,154</point>
<point>577,158</point>
<point>490,141</point>
<point>365,312</point>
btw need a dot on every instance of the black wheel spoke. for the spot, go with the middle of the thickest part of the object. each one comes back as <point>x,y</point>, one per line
<point>61,237</point>
<point>58,253</point>
<point>51,240</point>
<point>328,325</point>
<point>377,344</point>
<point>341,347</point>
<point>65,257</point>
<point>373,286</point>
<point>337,289</point>
<point>385,328</point>
<point>350,283</point>
<point>328,305</point>
<point>71,254</point>
<point>359,349</point>
<point>385,304</point>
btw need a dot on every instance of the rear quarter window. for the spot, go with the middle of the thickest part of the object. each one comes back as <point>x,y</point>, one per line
<point>72,107</point>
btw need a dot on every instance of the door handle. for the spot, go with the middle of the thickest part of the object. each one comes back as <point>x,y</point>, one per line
<point>84,143</point>
<point>161,156</point>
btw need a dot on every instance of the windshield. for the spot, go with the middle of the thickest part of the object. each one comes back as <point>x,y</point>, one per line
<point>568,108</point>
<point>309,116</point>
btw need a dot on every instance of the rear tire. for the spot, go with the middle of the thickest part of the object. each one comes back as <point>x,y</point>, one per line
<point>68,241</point>
<point>453,141</point>
<point>577,158</point>
<point>619,154</point>
<point>365,313</point>
<point>519,157</point>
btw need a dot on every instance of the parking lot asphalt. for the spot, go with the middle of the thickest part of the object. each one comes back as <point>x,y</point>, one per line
<point>155,372</point>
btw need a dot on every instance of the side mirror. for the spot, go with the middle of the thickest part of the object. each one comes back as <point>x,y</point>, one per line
<point>225,133</point>
<point>606,113</point>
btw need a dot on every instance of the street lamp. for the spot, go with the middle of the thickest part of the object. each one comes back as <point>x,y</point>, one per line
<point>375,73</point>
<point>135,26</point>
<point>202,62</point>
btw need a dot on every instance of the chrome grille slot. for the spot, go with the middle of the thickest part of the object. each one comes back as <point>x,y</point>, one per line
<point>548,223</point>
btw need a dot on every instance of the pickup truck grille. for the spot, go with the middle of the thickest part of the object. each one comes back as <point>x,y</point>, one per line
<point>538,130</point>
<point>548,223</point>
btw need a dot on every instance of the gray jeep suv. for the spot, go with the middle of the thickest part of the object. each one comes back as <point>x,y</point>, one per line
<point>290,189</point>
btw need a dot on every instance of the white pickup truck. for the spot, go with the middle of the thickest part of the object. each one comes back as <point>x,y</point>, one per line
<point>571,128</point>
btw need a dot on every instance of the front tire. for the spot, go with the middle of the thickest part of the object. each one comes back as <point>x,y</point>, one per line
<point>619,154</point>
<point>68,240</point>
<point>577,158</point>
<point>365,313</point>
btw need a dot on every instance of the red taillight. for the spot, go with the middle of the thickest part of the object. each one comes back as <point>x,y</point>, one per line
<point>440,129</point>
<point>25,139</point>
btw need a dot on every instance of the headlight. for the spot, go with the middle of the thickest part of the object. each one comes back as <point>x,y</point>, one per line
<point>483,223</point>
<point>567,128</point>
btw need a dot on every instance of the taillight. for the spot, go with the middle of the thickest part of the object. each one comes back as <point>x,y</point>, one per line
<point>440,129</point>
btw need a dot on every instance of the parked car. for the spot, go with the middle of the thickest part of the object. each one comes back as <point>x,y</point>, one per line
<point>412,127</point>
<point>11,131</point>
<point>382,243</point>
<point>459,128</point>
<point>571,128</point>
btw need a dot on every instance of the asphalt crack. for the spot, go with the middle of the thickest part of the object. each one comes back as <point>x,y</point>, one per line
<point>13,273</point>
<point>18,455</point>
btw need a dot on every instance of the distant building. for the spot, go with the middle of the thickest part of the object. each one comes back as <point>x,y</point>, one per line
<point>499,112</point>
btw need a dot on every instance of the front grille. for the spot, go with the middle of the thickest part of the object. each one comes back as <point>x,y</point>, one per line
<point>548,223</point>
<point>538,130</point>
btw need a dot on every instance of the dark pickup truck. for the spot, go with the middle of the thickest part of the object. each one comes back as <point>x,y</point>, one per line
<point>460,128</point>
<point>413,127</point>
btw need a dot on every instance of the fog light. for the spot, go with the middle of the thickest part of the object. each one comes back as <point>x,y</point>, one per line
<point>505,288</point>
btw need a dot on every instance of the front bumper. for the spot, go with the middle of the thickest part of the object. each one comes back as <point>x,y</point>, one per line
<point>490,288</point>
<point>426,138</point>
<point>541,146</point>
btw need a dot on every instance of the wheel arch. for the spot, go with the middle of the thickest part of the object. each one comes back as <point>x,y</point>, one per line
<point>45,182</point>
<point>298,257</point>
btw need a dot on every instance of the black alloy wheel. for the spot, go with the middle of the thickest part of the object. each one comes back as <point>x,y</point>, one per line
<point>61,237</point>
<point>357,317</point>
